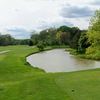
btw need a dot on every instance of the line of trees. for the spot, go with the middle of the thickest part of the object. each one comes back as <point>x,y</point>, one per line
<point>7,39</point>
<point>63,35</point>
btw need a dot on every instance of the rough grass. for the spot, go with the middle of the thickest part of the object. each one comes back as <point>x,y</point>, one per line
<point>20,81</point>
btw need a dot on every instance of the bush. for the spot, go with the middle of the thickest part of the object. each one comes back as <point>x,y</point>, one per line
<point>93,52</point>
<point>41,46</point>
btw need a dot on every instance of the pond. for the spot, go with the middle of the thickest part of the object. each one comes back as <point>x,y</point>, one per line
<point>58,60</point>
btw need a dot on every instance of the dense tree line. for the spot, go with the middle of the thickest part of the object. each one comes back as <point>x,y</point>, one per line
<point>63,35</point>
<point>21,41</point>
<point>7,39</point>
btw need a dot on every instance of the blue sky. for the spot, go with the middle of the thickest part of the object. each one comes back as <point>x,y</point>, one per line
<point>20,17</point>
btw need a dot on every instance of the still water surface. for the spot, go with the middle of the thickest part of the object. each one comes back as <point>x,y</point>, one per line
<point>58,60</point>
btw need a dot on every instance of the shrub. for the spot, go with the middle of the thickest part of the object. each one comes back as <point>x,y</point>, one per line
<point>41,46</point>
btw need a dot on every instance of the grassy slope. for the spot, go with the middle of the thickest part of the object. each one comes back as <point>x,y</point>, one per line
<point>19,81</point>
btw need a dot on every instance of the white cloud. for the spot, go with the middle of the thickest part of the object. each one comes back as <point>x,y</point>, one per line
<point>31,14</point>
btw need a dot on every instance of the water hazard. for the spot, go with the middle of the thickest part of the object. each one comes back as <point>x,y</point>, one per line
<point>58,60</point>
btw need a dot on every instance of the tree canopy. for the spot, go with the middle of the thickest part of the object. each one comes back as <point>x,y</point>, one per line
<point>94,29</point>
<point>63,35</point>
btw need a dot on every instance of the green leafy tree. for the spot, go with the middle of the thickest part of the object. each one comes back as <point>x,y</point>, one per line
<point>94,37</point>
<point>58,37</point>
<point>83,43</point>
<point>35,38</point>
<point>30,43</point>
<point>94,29</point>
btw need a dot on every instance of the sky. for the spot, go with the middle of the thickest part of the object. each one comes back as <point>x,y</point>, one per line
<point>20,17</point>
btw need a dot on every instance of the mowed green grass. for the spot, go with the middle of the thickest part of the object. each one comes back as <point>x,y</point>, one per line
<point>20,81</point>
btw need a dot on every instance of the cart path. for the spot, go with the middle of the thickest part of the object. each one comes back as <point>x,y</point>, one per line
<point>2,52</point>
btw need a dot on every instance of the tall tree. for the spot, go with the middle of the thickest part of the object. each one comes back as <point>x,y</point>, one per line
<point>94,29</point>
